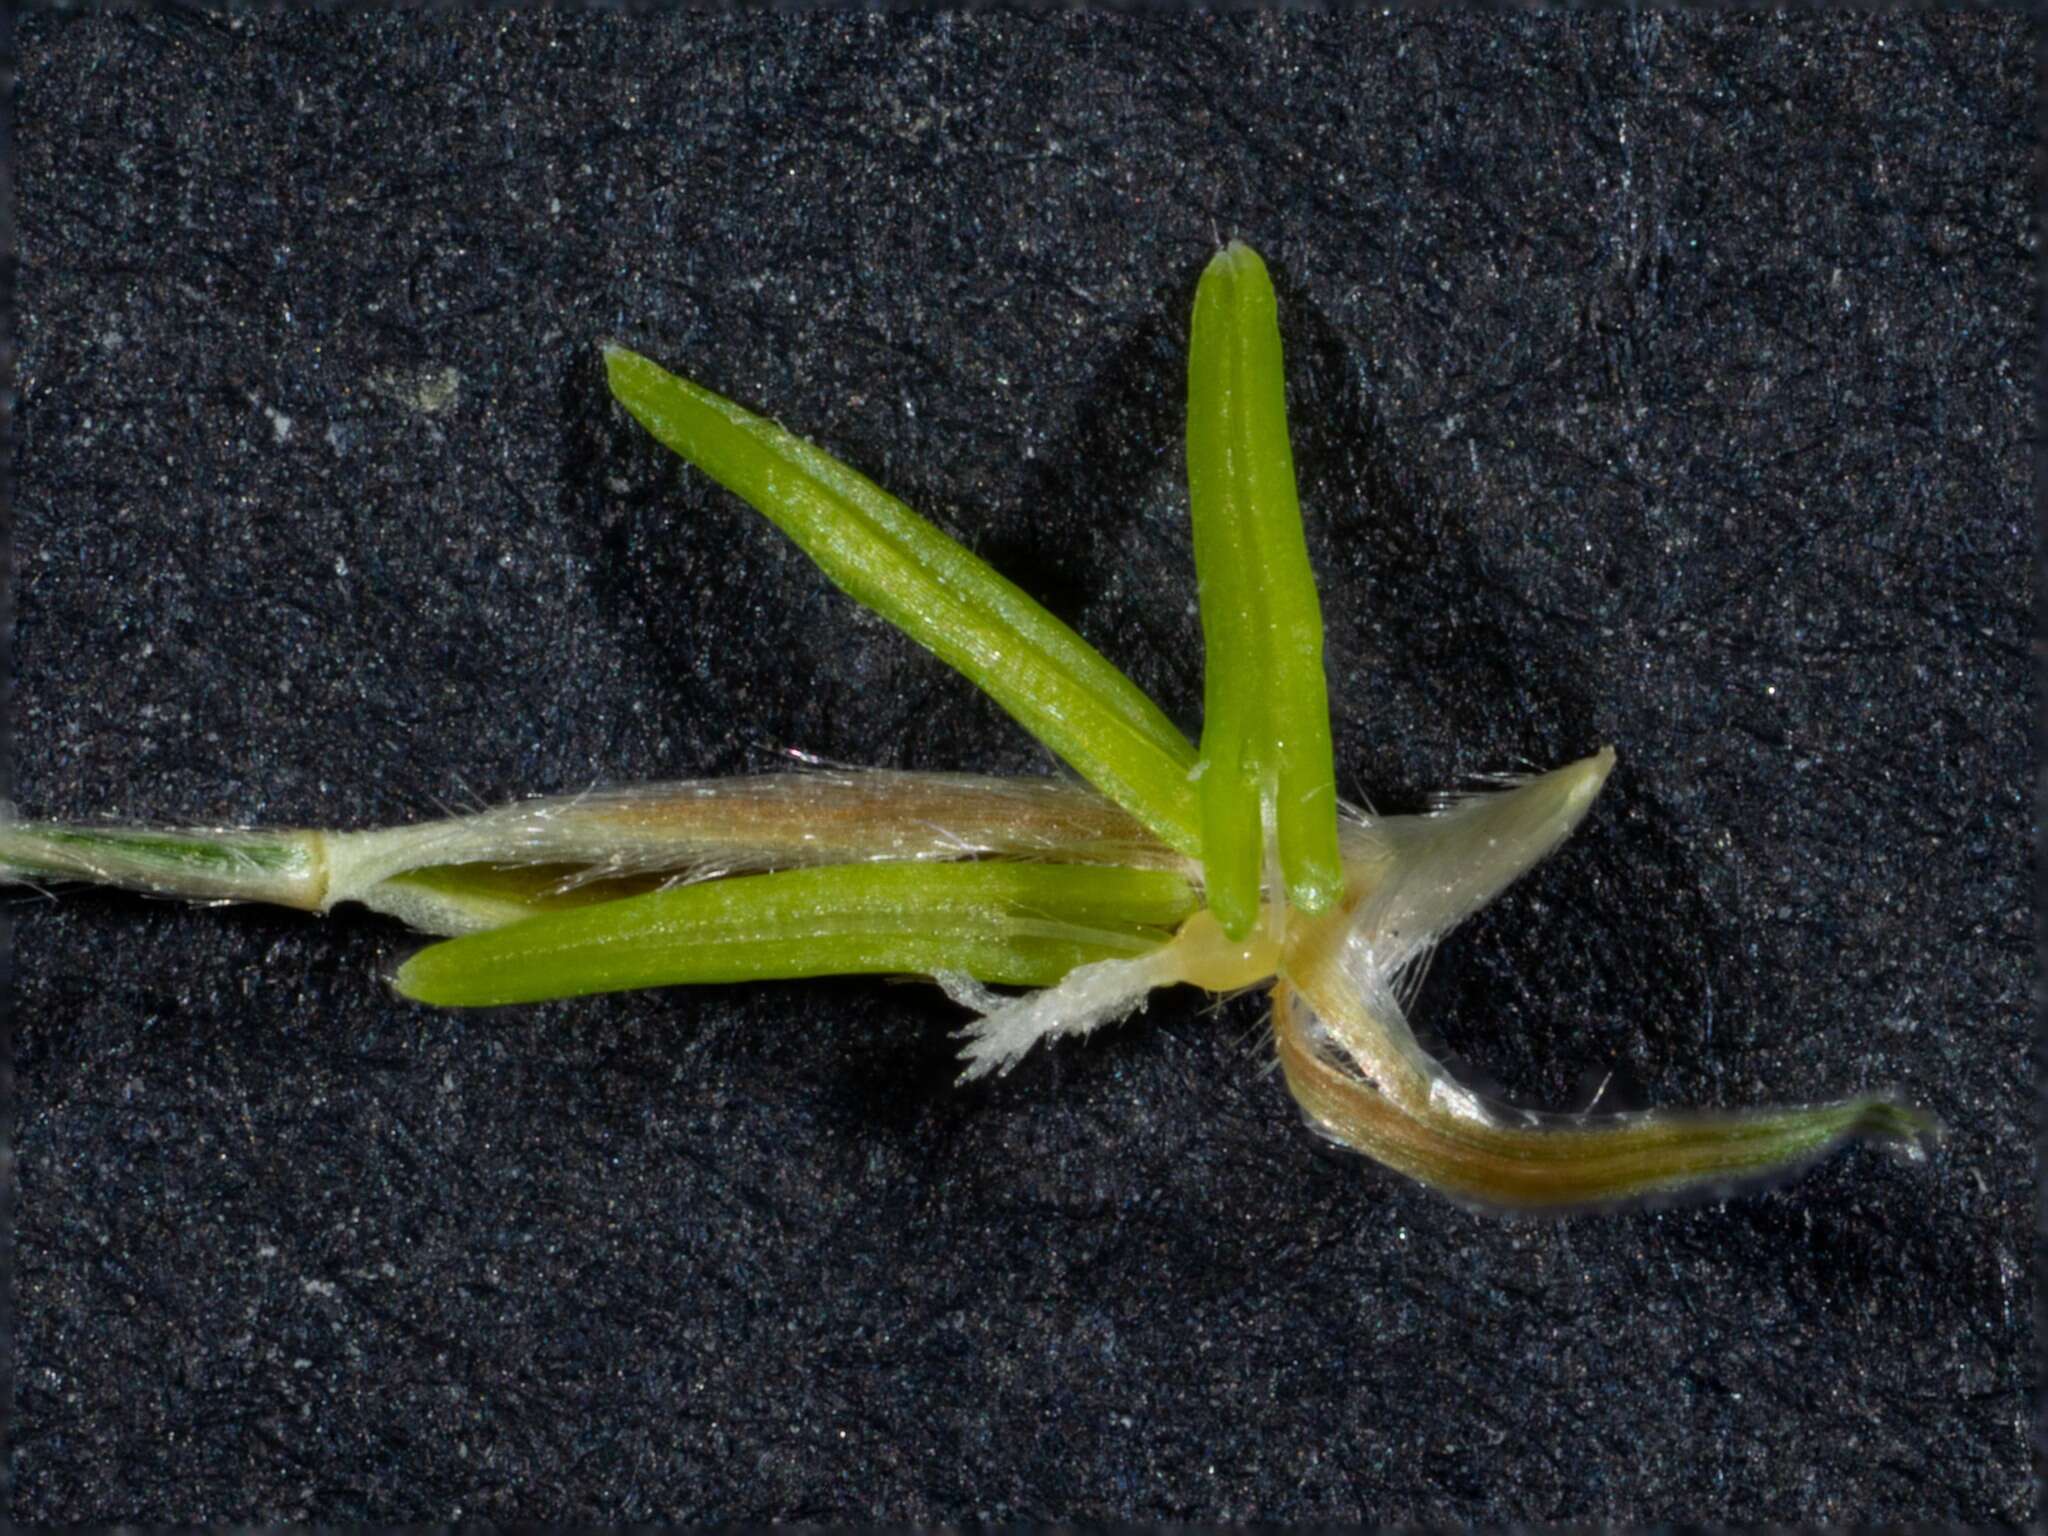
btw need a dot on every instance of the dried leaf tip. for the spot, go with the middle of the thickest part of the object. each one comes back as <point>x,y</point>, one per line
<point>1504,1159</point>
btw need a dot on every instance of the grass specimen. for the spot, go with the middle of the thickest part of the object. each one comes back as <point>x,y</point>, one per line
<point>1228,867</point>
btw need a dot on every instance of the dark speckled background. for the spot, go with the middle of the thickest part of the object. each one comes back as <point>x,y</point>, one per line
<point>1656,381</point>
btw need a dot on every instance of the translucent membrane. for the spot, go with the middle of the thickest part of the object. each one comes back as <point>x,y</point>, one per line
<point>1268,786</point>
<point>882,554</point>
<point>1411,880</point>
<point>1018,924</point>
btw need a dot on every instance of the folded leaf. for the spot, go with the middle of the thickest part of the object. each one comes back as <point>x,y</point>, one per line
<point>1268,784</point>
<point>1013,924</point>
<point>882,554</point>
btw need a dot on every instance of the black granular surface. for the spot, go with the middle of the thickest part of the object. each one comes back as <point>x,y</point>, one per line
<point>1662,382</point>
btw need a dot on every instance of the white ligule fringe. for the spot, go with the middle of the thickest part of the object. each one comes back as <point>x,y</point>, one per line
<point>1090,996</point>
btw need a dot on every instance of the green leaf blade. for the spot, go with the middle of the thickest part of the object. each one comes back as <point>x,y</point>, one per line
<point>1011,924</point>
<point>1268,774</point>
<point>882,554</point>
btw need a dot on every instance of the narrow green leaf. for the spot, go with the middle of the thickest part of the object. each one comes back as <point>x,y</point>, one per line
<point>1015,924</point>
<point>881,553</point>
<point>1268,783</point>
